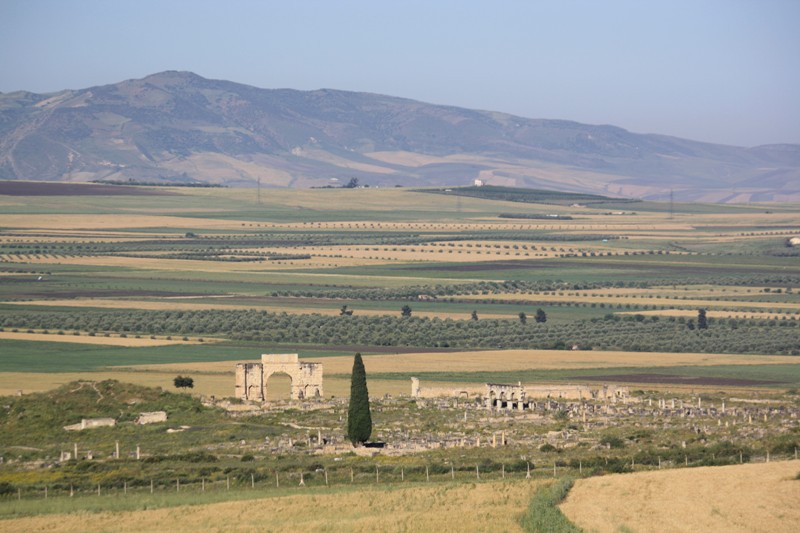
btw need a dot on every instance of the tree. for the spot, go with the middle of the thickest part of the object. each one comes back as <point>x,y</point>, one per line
<point>523,318</point>
<point>474,315</point>
<point>182,382</point>
<point>702,322</point>
<point>352,184</point>
<point>541,316</point>
<point>359,420</point>
<point>406,310</point>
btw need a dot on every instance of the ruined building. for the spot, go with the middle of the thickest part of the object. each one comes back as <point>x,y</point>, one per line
<point>252,378</point>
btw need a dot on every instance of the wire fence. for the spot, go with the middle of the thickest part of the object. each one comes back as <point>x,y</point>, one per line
<point>274,481</point>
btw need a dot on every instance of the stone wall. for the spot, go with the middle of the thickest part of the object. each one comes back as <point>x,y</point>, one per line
<point>89,423</point>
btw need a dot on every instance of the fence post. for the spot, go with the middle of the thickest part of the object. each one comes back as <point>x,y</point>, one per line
<point>98,489</point>
<point>528,475</point>
<point>228,482</point>
<point>71,491</point>
<point>253,481</point>
<point>477,472</point>
<point>204,484</point>
<point>402,474</point>
<point>503,470</point>
<point>376,474</point>
<point>151,486</point>
<point>427,474</point>
<point>452,472</point>
<point>45,492</point>
<point>326,477</point>
<point>351,474</point>
<point>178,485</point>
<point>277,480</point>
<point>125,488</point>
<point>554,469</point>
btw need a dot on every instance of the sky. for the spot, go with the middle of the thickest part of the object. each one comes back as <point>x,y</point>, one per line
<point>722,71</point>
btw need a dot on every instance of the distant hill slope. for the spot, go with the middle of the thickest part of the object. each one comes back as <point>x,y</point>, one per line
<point>180,127</point>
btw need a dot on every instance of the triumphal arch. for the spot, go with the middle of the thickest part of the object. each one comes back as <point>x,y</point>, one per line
<point>252,378</point>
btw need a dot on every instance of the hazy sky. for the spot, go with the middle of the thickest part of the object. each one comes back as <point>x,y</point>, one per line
<point>725,71</point>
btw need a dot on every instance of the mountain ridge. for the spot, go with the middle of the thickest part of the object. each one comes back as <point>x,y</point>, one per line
<point>180,127</point>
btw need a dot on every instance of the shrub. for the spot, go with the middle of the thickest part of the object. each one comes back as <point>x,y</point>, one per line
<point>612,441</point>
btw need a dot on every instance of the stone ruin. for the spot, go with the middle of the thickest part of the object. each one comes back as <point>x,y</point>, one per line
<point>252,378</point>
<point>153,417</point>
<point>519,397</point>
<point>91,423</point>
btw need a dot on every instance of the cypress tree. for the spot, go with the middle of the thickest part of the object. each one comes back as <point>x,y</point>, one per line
<point>702,322</point>
<point>359,420</point>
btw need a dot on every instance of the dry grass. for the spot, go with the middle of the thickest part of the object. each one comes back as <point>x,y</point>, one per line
<point>495,360</point>
<point>743,498</point>
<point>146,263</point>
<point>217,378</point>
<point>179,305</point>
<point>489,506</point>
<point>86,339</point>
<point>219,384</point>
<point>161,305</point>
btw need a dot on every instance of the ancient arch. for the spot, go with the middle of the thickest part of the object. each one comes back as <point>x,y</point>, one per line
<point>251,378</point>
<point>278,386</point>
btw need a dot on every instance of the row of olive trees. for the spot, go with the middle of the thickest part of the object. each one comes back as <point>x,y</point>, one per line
<point>637,333</point>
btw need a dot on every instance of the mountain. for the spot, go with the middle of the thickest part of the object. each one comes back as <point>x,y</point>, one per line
<point>182,128</point>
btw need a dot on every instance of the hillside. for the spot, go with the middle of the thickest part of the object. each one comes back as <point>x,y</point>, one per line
<point>180,127</point>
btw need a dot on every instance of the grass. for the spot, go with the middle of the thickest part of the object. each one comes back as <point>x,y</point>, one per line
<point>543,514</point>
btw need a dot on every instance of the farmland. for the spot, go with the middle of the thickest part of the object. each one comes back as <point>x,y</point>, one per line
<point>745,498</point>
<point>691,303</point>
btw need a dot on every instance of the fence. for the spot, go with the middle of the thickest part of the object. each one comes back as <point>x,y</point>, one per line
<point>275,481</point>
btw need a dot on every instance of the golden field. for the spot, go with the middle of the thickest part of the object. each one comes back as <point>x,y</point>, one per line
<point>86,339</point>
<point>217,378</point>
<point>491,360</point>
<point>749,498</point>
<point>486,506</point>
